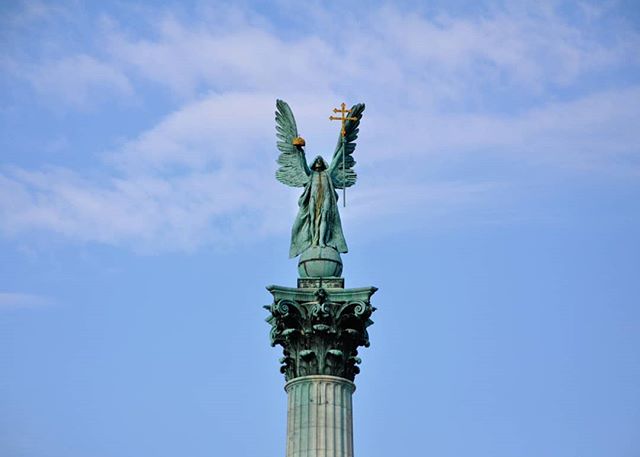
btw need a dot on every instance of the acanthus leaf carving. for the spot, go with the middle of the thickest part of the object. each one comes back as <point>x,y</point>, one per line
<point>320,332</point>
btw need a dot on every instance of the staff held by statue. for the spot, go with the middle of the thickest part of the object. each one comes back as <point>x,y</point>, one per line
<point>343,132</point>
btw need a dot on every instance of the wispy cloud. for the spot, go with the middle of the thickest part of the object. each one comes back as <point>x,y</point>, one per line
<point>78,80</point>
<point>141,211</point>
<point>14,300</point>
<point>223,130</point>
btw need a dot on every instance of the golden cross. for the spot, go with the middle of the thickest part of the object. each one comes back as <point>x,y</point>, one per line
<point>343,111</point>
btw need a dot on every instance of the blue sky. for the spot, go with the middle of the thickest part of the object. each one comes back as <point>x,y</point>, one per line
<point>497,209</point>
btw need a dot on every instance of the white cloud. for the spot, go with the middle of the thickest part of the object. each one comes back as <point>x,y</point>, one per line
<point>460,53</point>
<point>141,211</point>
<point>186,56</point>
<point>14,300</point>
<point>440,58</point>
<point>31,11</point>
<point>572,133</point>
<point>404,58</point>
<point>219,130</point>
<point>78,79</point>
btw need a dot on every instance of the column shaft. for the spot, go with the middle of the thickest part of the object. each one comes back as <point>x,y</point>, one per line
<point>319,417</point>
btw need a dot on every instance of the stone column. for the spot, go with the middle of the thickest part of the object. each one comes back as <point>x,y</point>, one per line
<point>319,417</point>
<point>320,330</point>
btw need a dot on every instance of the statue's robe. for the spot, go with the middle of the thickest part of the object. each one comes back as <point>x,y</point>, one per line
<point>318,221</point>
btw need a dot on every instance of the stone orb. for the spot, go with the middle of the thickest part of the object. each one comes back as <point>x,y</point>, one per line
<point>320,262</point>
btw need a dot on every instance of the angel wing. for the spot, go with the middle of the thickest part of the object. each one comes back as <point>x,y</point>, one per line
<point>344,151</point>
<point>293,170</point>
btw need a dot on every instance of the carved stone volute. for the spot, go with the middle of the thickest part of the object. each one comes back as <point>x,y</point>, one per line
<point>320,329</point>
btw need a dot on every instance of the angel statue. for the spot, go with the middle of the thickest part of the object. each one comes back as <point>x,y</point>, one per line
<point>318,221</point>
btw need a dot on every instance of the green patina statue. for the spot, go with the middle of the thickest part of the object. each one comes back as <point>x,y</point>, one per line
<point>318,222</point>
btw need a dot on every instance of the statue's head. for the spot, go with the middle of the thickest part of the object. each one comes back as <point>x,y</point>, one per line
<point>319,164</point>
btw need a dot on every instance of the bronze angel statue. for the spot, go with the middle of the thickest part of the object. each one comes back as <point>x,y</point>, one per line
<point>318,220</point>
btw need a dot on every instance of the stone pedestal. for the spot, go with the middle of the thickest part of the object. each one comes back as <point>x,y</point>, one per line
<point>319,417</point>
